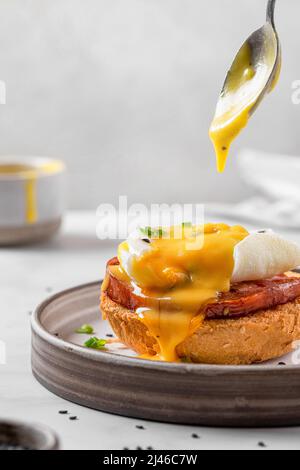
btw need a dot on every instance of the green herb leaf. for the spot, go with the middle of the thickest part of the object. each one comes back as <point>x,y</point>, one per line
<point>160,233</point>
<point>147,231</point>
<point>187,224</point>
<point>186,360</point>
<point>153,232</point>
<point>85,330</point>
<point>95,343</point>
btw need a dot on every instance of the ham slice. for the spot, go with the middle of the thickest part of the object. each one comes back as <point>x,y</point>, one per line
<point>243,299</point>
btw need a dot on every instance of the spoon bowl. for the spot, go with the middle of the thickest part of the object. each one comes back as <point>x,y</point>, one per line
<point>259,59</point>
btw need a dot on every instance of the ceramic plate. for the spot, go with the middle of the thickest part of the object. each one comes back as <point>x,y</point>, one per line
<point>116,381</point>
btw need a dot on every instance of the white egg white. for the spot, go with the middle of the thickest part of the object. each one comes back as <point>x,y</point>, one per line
<point>136,247</point>
<point>262,255</point>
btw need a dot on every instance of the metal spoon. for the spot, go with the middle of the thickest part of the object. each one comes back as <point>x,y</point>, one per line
<point>265,61</point>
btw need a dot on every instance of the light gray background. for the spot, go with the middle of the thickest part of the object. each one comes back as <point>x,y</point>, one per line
<point>124,91</point>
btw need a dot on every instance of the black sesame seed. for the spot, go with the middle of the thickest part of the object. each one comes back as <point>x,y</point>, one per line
<point>281,363</point>
<point>63,412</point>
<point>150,448</point>
<point>108,335</point>
<point>146,240</point>
<point>73,418</point>
<point>140,427</point>
<point>262,445</point>
<point>195,436</point>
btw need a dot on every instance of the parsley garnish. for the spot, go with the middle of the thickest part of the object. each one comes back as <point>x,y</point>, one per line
<point>186,360</point>
<point>95,343</point>
<point>153,232</point>
<point>187,224</point>
<point>146,231</point>
<point>85,330</point>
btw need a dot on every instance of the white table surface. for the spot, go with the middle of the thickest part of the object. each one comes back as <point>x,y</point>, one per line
<point>27,276</point>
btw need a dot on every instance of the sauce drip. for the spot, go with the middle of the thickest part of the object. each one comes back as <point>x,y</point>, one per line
<point>31,199</point>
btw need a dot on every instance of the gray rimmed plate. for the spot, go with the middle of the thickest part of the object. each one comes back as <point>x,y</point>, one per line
<point>116,381</point>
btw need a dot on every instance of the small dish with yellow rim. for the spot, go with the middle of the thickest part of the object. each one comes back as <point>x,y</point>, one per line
<point>31,199</point>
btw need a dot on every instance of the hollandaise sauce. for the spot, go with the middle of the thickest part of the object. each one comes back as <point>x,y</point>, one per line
<point>29,174</point>
<point>240,96</point>
<point>231,117</point>
<point>31,198</point>
<point>177,275</point>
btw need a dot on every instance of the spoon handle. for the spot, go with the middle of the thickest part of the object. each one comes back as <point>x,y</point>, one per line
<point>270,12</point>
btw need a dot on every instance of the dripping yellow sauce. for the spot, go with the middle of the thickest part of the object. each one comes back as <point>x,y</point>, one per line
<point>178,276</point>
<point>230,120</point>
<point>29,175</point>
<point>239,98</point>
<point>31,199</point>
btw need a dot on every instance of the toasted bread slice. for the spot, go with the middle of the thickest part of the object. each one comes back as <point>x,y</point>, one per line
<point>256,338</point>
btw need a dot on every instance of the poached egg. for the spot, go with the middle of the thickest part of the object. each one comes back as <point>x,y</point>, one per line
<point>181,269</point>
<point>260,255</point>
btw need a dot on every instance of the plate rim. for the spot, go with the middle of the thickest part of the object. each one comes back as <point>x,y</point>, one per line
<point>128,361</point>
